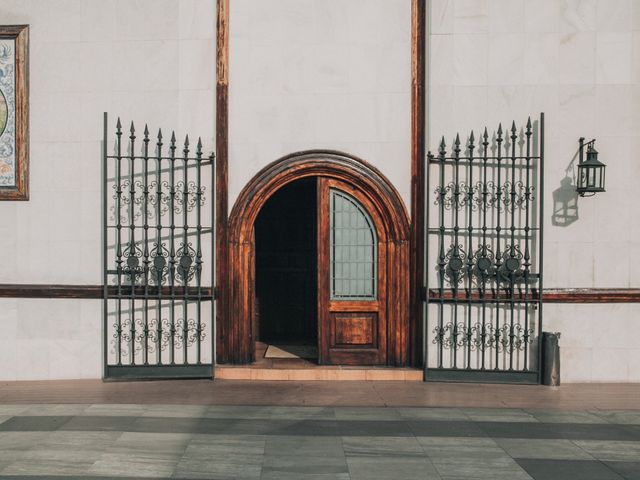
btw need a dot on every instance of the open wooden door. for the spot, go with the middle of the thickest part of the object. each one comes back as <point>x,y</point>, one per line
<point>352,286</point>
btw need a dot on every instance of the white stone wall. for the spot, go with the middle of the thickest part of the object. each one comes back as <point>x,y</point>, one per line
<point>322,74</point>
<point>329,74</point>
<point>145,60</point>
<point>578,61</point>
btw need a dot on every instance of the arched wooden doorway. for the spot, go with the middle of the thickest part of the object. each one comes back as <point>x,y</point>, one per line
<point>364,182</point>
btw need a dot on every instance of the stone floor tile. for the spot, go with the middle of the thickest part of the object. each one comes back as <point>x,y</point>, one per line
<point>34,424</point>
<point>623,417</point>
<point>175,411</point>
<point>391,467</point>
<point>459,446</point>
<point>127,410</point>
<point>20,440</point>
<point>231,411</point>
<point>277,475</point>
<point>143,464</point>
<point>152,443</point>
<point>12,410</point>
<point>628,470</point>
<point>567,469</point>
<point>101,423</point>
<point>496,466</point>
<point>196,468</point>
<point>498,415</point>
<point>367,413</point>
<point>569,431</point>
<point>432,413</point>
<point>303,445</point>
<point>304,464</point>
<point>46,468</point>
<point>56,409</point>
<point>206,444</point>
<point>543,449</point>
<point>300,413</point>
<point>63,440</point>
<point>437,428</point>
<point>611,450</point>
<point>383,446</point>
<point>566,416</point>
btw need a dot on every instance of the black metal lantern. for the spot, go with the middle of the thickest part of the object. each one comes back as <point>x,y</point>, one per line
<point>590,171</point>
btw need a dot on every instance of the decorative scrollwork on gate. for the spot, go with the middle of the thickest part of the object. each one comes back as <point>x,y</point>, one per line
<point>455,271</point>
<point>159,264</point>
<point>191,193</point>
<point>132,265</point>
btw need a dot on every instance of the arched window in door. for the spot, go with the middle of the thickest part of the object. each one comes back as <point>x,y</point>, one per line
<point>353,249</point>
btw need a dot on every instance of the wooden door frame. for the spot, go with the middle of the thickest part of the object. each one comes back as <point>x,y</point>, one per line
<point>238,318</point>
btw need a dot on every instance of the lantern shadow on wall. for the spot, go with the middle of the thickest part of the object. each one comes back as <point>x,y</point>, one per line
<point>565,199</point>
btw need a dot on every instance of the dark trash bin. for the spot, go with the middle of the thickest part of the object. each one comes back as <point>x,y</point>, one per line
<point>550,359</point>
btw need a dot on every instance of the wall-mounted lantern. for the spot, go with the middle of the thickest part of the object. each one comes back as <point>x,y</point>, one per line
<point>590,171</point>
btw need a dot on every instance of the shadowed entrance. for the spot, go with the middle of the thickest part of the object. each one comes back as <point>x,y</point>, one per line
<point>286,286</point>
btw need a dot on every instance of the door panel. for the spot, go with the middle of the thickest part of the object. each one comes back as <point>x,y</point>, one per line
<point>351,277</point>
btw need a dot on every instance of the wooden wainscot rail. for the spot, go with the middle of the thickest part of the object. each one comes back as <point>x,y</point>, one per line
<point>550,295</point>
<point>93,291</point>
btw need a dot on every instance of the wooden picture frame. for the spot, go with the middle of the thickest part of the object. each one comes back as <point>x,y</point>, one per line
<point>14,112</point>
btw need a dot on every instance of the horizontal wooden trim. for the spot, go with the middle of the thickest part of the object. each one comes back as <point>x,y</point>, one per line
<point>550,295</point>
<point>591,295</point>
<point>92,291</point>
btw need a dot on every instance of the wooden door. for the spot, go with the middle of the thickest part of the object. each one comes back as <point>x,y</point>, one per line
<point>352,289</point>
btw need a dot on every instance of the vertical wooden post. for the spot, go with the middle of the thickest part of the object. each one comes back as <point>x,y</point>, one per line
<point>417,246</point>
<point>222,140</point>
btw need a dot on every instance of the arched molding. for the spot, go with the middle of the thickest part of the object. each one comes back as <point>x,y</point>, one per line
<point>238,314</point>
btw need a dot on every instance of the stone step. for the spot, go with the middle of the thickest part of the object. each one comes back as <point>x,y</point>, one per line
<point>319,373</point>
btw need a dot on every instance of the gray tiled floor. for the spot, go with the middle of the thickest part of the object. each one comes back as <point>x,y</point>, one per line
<point>321,443</point>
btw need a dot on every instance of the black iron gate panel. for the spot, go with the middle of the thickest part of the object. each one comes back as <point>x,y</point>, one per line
<point>484,212</point>
<point>157,256</point>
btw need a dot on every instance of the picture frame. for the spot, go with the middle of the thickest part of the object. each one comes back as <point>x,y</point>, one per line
<point>14,112</point>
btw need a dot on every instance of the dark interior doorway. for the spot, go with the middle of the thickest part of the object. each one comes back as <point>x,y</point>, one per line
<point>286,263</point>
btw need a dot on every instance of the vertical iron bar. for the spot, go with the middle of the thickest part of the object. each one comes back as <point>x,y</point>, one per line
<point>146,244</point>
<point>105,247</point>
<point>455,253</point>
<point>483,291</point>
<point>498,252</point>
<point>427,258</point>
<point>469,248</point>
<point>119,239</point>
<point>132,246</point>
<point>541,244</point>
<point>441,256</point>
<point>158,260</point>
<point>185,251</point>
<point>512,254</point>
<point>172,253</point>
<point>198,251</point>
<point>214,265</point>
<point>527,254</point>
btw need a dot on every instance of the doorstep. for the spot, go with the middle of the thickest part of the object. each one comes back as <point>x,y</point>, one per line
<point>315,373</point>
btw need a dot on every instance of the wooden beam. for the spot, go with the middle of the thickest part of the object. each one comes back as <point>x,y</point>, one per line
<point>416,256</point>
<point>90,291</point>
<point>551,295</point>
<point>222,162</point>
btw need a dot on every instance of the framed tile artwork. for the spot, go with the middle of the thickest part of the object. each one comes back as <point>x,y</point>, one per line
<point>14,112</point>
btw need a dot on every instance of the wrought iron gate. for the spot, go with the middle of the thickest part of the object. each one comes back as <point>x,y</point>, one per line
<point>484,257</point>
<point>157,257</point>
